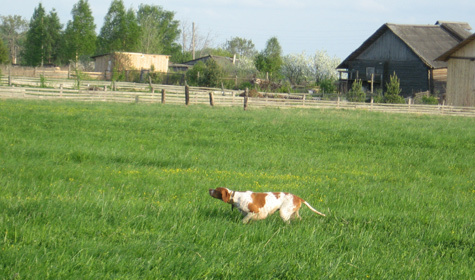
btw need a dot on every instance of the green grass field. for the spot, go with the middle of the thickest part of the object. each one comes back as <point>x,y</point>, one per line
<point>120,191</point>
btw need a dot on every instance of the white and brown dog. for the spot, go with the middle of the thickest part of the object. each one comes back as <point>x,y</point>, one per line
<point>257,206</point>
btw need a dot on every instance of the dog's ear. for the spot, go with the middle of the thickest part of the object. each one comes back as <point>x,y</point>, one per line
<point>225,195</point>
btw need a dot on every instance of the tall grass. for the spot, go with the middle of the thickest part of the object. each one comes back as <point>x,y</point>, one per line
<point>100,191</point>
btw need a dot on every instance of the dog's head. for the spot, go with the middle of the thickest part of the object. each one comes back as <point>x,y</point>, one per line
<point>221,193</point>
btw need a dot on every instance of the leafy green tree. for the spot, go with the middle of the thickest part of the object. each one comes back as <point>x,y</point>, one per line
<point>43,38</point>
<point>13,30</point>
<point>159,30</point>
<point>393,90</point>
<point>240,46</point>
<point>120,31</point>
<point>270,59</point>
<point>34,45</point>
<point>132,32</point>
<point>80,34</point>
<point>356,93</point>
<point>3,53</point>
<point>53,38</point>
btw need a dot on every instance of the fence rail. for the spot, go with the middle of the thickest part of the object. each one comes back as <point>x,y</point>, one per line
<point>106,91</point>
<point>216,97</point>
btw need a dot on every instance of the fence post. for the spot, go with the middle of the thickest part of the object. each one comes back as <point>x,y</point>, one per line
<point>61,90</point>
<point>9,76</point>
<point>211,98</point>
<point>246,97</point>
<point>187,95</point>
<point>372,101</point>
<point>150,83</point>
<point>136,99</point>
<point>163,96</point>
<point>338,103</point>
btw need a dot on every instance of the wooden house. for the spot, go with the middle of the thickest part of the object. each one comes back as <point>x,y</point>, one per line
<point>407,50</point>
<point>461,73</point>
<point>128,61</point>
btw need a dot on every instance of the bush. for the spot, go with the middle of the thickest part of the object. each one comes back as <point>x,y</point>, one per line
<point>245,85</point>
<point>378,97</point>
<point>328,85</point>
<point>285,88</point>
<point>430,100</point>
<point>207,74</point>
<point>356,93</point>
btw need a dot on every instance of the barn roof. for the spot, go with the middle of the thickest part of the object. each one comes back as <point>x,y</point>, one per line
<point>426,41</point>
<point>445,56</point>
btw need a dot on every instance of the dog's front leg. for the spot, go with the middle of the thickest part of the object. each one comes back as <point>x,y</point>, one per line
<point>248,217</point>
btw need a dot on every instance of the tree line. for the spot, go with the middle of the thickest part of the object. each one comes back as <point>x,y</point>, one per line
<point>153,30</point>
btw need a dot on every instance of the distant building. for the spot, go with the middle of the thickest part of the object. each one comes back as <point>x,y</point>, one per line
<point>128,61</point>
<point>410,51</point>
<point>461,73</point>
<point>223,61</point>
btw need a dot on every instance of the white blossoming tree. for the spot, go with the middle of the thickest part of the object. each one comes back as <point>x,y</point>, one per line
<point>302,69</point>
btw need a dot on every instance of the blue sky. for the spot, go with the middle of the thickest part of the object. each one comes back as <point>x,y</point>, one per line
<point>338,26</point>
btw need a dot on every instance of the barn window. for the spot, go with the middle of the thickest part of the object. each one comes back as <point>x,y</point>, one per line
<point>369,72</point>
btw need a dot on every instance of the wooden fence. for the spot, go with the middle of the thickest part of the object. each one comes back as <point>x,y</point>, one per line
<point>101,91</point>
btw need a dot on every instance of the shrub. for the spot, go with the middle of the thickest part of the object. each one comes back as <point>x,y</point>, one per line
<point>356,93</point>
<point>430,100</point>
<point>205,74</point>
<point>378,97</point>
<point>42,81</point>
<point>327,85</point>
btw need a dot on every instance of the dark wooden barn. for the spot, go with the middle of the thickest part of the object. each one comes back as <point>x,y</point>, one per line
<point>407,50</point>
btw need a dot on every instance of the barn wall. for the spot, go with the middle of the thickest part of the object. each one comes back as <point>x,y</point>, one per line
<point>132,61</point>
<point>461,77</point>
<point>389,54</point>
<point>413,75</point>
<point>140,61</point>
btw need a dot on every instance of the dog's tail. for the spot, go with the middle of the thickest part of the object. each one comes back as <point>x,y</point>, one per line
<point>311,208</point>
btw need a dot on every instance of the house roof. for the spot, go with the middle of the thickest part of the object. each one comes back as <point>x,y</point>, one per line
<point>426,41</point>
<point>130,53</point>
<point>445,56</point>
<point>204,58</point>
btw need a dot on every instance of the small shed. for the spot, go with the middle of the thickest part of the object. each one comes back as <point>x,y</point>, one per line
<point>461,73</point>
<point>131,61</point>
<point>407,50</point>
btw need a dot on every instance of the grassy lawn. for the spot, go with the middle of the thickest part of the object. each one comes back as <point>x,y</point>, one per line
<point>120,191</point>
